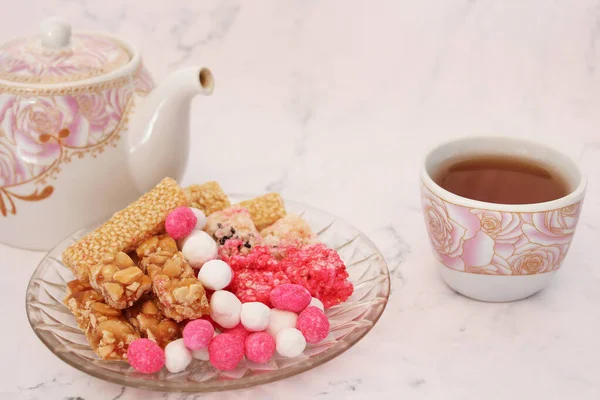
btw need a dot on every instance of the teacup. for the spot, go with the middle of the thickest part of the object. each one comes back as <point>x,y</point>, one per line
<point>499,252</point>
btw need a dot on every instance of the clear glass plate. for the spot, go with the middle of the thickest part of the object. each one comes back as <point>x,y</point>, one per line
<point>54,324</point>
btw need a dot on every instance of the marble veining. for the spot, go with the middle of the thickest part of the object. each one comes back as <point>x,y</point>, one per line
<point>335,105</point>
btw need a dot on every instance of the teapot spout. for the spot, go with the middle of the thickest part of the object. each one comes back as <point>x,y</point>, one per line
<point>158,134</point>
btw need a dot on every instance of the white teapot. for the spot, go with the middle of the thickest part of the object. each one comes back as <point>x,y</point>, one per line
<point>83,131</point>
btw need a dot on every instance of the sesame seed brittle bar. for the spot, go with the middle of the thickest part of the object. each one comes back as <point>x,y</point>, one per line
<point>208,197</point>
<point>265,210</point>
<point>126,229</point>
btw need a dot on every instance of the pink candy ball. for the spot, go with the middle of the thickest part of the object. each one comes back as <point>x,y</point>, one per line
<point>145,356</point>
<point>180,222</point>
<point>260,347</point>
<point>290,297</point>
<point>313,324</point>
<point>238,331</point>
<point>225,351</point>
<point>197,334</point>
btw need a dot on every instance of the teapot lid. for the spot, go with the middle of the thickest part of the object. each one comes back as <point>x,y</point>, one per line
<point>57,56</point>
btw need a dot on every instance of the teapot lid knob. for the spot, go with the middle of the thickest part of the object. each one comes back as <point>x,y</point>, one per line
<point>55,33</point>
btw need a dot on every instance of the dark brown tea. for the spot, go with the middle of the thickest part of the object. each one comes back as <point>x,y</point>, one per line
<point>503,180</point>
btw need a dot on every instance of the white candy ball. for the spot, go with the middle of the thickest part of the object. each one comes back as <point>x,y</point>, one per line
<point>177,356</point>
<point>281,320</point>
<point>290,342</point>
<point>255,316</point>
<point>198,248</point>
<point>225,309</point>
<point>316,303</point>
<point>200,217</point>
<point>201,354</point>
<point>215,275</point>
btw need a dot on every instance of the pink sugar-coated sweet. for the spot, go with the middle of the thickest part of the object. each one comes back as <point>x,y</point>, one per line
<point>225,351</point>
<point>313,324</point>
<point>238,331</point>
<point>145,356</point>
<point>197,334</point>
<point>260,347</point>
<point>290,297</point>
<point>180,222</point>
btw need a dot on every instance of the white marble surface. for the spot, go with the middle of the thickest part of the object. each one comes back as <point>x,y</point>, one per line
<point>351,94</point>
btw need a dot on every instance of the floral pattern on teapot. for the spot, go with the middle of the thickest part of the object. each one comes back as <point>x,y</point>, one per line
<point>39,132</point>
<point>27,61</point>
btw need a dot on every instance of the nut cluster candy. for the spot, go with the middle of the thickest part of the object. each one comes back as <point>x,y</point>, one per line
<point>119,280</point>
<point>321,271</point>
<point>147,318</point>
<point>252,285</point>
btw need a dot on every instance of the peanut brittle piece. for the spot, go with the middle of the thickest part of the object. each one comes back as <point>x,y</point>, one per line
<point>290,230</point>
<point>265,210</point>
<point>79,300</point>
<point>233,223</point>
<point>208,197</point>
<point>179,294</point>
<point>119,280</point>
<point>126,229</point>
<point>111,336</point>
<point>152,323</point>
<point>107,331</point>
<point>156,250</point>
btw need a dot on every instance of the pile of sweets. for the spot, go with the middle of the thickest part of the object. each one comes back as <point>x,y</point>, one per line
<point>181,274</point>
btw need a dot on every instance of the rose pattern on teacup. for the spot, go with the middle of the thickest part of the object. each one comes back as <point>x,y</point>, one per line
<point>39,133</point>
<point>28,61</point>
<point>498,243</point>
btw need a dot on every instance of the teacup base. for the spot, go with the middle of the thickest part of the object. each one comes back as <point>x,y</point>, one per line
<point>495,288</point>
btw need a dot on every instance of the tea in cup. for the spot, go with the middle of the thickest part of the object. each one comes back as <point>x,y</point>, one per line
<point>500,213</point>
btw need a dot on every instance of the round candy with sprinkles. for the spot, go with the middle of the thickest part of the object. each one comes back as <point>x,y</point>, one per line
<point>145,356</point>
<point>180,222</point>
<point>260,347</point>
<point>226,351</point>
<point>313,324</point>
<point>197,334</point>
